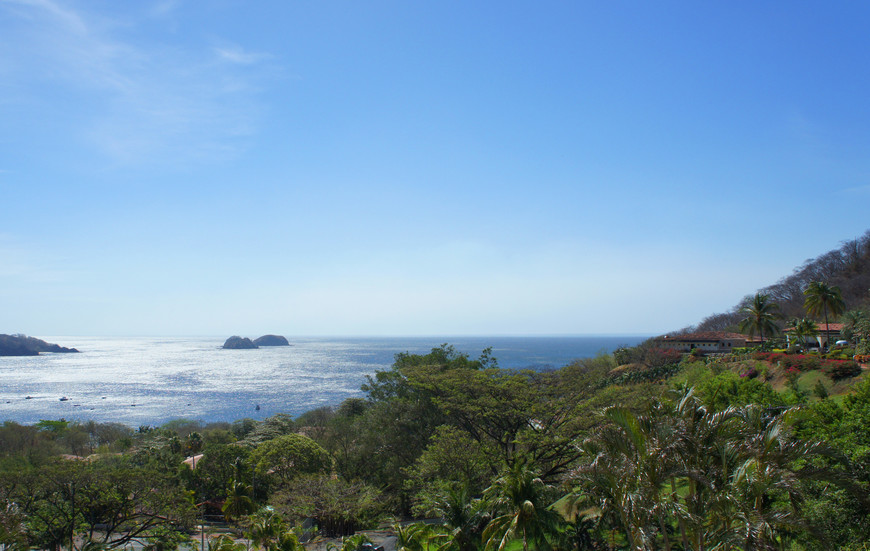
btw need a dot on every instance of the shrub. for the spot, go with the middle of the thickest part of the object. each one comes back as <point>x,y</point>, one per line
<point>792,374</point>
<point>842,369</point>
<point>820,390</point>
<point>658,357</point>
<point>801,362</point>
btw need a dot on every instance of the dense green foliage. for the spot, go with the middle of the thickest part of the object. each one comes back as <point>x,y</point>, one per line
<point>642,449</point>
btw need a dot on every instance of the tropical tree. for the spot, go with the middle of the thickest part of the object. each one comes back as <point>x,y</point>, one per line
<point>412,537</point>
<point>769,484</point>
<point>851,322</point>
<point>338,507</point>
<point>822,298</point>
<point>239,501</point>
<point>521,511</point>
<point>802,329</point>
<point>225,543</point>
<point>269,532</point>
<point>289,456</point>
<point>463,521</point>
<point>760,317</point>
<point>630,463</point>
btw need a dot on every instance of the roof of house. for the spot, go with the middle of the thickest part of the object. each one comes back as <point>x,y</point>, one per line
<point>193,460</point>
<point>705,336</point>
<point>822,327</point>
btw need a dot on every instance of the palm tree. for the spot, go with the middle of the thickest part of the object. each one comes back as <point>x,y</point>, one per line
<point>225,543</point>
<point>851,321</point>
<point>822,298</point>
<point>463,521</point>
<point>776,465</point>
<point>521,505</point>
<point>801,329</point>
<point>239,501</point>
<point>266,529</point>
<point>413,537</point>
<point>760,316</point>
<point>632,462</point>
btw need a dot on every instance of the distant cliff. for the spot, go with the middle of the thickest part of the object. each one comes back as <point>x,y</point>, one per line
<point>22,345</point>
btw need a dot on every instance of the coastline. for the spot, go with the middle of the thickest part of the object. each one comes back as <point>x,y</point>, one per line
<point>148,380</point>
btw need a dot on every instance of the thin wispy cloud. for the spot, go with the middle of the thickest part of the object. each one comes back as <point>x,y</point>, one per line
<point>161,9</point>
<point>163,101</point>
<point>236,54</point>
<point>857,190</point>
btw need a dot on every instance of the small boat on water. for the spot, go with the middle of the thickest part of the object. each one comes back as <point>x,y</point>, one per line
<point>64,399</point>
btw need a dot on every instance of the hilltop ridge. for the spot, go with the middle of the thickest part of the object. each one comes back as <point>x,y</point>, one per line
<point>847,267</point>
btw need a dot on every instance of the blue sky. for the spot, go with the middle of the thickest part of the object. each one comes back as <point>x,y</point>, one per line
<point>411,168</point>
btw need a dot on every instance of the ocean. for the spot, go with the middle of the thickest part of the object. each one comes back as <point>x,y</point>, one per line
<point>148,380</point>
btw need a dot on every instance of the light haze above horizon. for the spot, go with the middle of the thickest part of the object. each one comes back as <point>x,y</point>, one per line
<point>401,168</point>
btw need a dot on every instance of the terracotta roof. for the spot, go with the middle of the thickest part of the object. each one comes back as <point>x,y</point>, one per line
<point>821,327</point>
<point>705,336</point>
<point>193,460</point>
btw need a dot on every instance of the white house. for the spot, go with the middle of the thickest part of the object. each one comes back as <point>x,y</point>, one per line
<point>706,341</point>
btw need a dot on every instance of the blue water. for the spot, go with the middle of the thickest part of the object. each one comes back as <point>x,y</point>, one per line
<point>151,380</point>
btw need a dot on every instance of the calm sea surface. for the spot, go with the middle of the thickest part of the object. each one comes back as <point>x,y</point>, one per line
<point>151,380</point>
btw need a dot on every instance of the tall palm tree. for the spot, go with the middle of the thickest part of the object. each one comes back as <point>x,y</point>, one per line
<point>521,511</point>
<point>463,521</point>
<point>823,298</point>
<point>239,501</point>
<point>760,316</point>
<point>631,478</point>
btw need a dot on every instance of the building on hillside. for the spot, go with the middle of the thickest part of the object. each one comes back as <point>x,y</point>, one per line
<point>820,339</point>
<point>706,341</point>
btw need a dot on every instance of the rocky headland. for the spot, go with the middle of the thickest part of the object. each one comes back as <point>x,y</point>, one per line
<point>22,345</point>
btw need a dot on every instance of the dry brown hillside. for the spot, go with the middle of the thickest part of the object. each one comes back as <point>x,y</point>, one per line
<point>847,267</point>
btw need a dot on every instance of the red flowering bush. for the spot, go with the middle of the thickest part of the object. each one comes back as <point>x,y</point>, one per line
<point>842,369</point>
<point>657,357</point>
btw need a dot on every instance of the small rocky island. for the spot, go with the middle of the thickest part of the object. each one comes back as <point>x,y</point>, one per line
<point>243,343</point>
<point>271,340</point>
<point>239,343</point>
<point>22,345</point>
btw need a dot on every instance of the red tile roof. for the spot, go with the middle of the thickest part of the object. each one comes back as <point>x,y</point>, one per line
<point>821,327</point>
<point>706,336</point>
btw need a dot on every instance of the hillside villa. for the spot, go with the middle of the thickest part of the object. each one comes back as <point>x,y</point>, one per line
<point>820,339</point>
<point>705,341</point>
